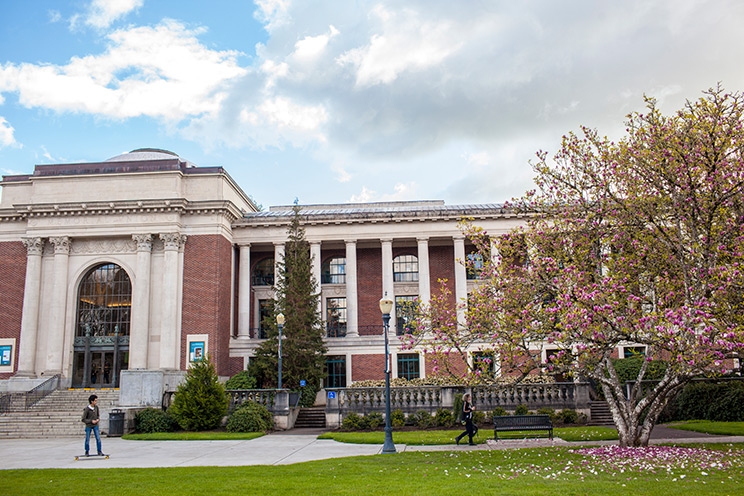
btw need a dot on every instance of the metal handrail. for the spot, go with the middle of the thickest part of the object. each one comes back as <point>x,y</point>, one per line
<point>42,390</point>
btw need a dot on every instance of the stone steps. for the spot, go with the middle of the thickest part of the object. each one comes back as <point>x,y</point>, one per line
<point>57,415</point>
<point>600,413</point>
<point>310,418</point>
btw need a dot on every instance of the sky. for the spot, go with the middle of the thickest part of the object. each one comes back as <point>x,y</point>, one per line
<point>349,100</point>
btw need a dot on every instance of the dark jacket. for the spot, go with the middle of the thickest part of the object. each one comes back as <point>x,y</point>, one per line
<point>89,415</point>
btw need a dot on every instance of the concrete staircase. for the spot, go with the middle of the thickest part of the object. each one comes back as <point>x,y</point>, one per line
<point>600,413</point>
<point>311,418</point>
<point>57,415</point>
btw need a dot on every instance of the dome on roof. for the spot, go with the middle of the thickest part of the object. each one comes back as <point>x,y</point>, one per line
<point>143,154</point>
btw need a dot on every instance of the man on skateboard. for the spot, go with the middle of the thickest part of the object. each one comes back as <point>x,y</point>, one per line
<point>91,418</point>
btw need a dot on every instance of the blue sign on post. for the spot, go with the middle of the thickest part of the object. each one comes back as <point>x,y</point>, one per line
<point>331,395</point>
<point>302,383</point>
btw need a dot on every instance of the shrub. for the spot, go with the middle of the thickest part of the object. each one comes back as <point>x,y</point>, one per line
<point>354,422</point>
<point>374,420</point>
<point>479,417</point>
<point>568,416</point>
<point>250,417</point>
<point>499,412</point>
<point>457,408</point>
<point>627,368</point>
<point>200,401</point>
<point>154,420</point>
<point>241,380</point>
<point>422,419</point>
<point>443,418</point>
<point>398,418</point>
<point>521,410</point>
<point>710,401</point>
<point>550,412</point>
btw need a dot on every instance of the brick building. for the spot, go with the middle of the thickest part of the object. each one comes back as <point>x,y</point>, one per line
<point>145,261</point>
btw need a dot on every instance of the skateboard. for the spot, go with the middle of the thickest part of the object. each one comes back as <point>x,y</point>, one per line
<point>83,457</point>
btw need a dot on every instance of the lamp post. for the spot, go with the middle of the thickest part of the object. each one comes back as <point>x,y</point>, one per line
<point>280,323</point>
<point>385,307</point>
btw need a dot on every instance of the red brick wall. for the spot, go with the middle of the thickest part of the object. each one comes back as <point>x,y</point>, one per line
<point>368,367</point>
<point>442,266</point>
<point>12,282</point>
<point>455,362</point>
<point>206,296</point>
<point>369,290</point>
<point>235,365</point>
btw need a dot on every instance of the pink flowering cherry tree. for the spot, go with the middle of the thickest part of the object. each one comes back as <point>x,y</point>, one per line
<point>632,243</point>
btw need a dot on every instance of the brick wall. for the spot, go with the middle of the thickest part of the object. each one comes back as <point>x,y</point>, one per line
<point>206,296</point>
<point>12,282</point>
<point>367,367</point>
<point>369,289</point>
<point>441,267</point>
<point>436,365</point>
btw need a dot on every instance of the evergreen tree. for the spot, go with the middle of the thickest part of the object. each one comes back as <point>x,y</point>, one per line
<point>200,401</point>
<point>297,297</point>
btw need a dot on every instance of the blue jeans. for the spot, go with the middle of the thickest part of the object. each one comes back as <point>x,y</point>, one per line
<point>97,432</point>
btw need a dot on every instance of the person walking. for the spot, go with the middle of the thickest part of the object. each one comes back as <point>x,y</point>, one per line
<point>91,418</point>
<point>467,416</point>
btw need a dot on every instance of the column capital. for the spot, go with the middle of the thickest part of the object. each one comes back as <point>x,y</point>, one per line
<point>244,245</point>
<point>313,243</point>
<point>173,241</point>
<point>422,239</point>
<point>279,243</point>
<point>144,242</point>
<point>61,244</point>
<point>386,240</point>
<point>350,241</point>
<point>34,246</point>
<point>458,237</point>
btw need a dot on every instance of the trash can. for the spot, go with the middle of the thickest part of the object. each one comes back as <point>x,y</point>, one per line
<point>116,423</point>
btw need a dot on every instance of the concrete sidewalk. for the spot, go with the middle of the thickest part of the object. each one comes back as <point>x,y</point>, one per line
<point>274,449</point>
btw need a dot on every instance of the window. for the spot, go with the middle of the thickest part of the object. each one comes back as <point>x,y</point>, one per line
<point>104,302</point>
<point>633,351</point>
<point>334,271</point>
<point>265,317</point>
<point>263,272</point>
<point>405,313</point>
<point>405,268</point>
<point>485,362</point>
<point>408,366</point>
<point>336,317</point>
<point>336,366</point>
<point>474,265</point>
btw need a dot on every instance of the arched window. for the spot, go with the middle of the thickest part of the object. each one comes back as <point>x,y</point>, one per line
<point>405,268</point>
<point>104,301</point>
<point>263,272</point>
<point>334,271</point>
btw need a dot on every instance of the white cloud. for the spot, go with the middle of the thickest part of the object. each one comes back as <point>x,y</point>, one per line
<point>273,13</point>
<point>6,133</point>
<point>102,13</point>
<point>160,71</point>
<point>364,196</point>
<point>407,43</point>
<point>54,16</point>
<point>310,47</point>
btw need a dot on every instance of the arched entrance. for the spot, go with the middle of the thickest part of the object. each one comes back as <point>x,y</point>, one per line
<point>104,304</point>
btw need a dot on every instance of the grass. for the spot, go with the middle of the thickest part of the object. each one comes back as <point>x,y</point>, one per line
<point>518,472</point>
<point>448,437</point>
<point>193,436</point>
<point>710,427</point>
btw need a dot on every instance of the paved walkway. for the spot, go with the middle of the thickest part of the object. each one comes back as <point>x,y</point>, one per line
<point>276,449</point>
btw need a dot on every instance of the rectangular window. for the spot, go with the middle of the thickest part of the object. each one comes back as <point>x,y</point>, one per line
<point>336,366</point>
<point>631,351</point>
<point>265,315</point>
<point>336,317</point>
<point>405,313</point>
<point>408,366</point>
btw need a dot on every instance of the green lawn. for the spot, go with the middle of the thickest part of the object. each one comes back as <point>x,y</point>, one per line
<point>519,472</point>
<point>193,436</point>
<point>710,427</point>
<point>448,437</point>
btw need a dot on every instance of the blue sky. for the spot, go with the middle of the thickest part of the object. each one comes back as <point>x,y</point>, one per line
<point>338,101</point>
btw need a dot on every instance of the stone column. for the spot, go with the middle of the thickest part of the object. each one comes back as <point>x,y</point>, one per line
<point>423,264</point>
<point>244,292</point>
<point>388,286</point>
<point>461,277</point>
<point>139,339</point>
<point>315,268</point>
<point>352,319</point>
<point>30,318</point>
<point>56,336</point>
<point>494,250</point>
<point>278,258</point>
<point>169,333</point>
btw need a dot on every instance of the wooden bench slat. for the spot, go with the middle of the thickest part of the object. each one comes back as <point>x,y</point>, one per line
<point>522,423</point>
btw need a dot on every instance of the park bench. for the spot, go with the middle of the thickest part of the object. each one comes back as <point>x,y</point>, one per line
<point>522,423</point>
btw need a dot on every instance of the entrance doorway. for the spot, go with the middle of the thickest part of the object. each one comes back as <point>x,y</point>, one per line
<point>103,368</point>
